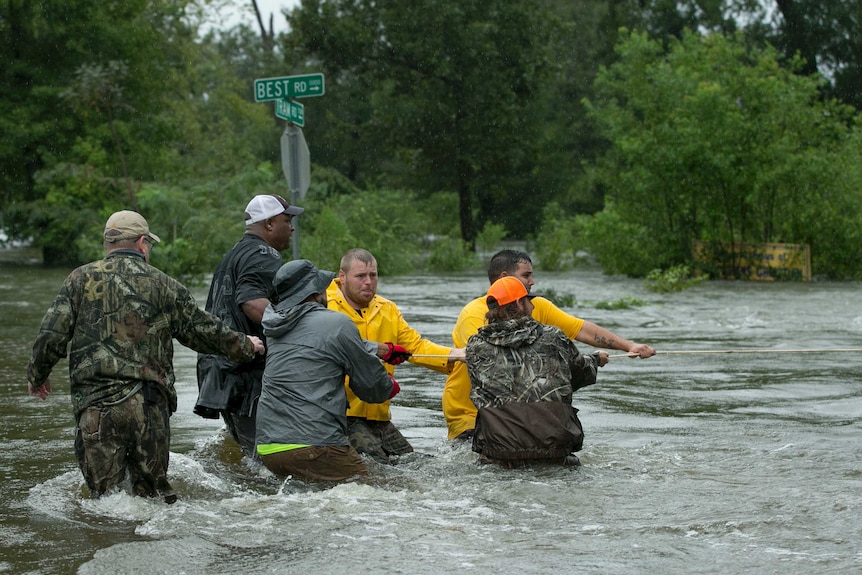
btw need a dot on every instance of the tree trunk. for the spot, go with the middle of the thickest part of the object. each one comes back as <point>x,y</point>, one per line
<point>266,36</point>
<point>465,205</point>
<point>798,34</point>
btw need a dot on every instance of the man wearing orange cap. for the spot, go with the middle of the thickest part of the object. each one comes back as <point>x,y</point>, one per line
<point>119,316</point>
<point>240,291</point>
<point>523,374</point>
<point>458,409</point>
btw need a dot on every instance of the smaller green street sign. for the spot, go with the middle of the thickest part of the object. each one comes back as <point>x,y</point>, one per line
<point>290,111</point>
<point>305,86</point>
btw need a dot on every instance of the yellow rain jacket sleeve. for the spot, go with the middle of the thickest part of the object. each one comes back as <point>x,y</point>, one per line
<point>458,408</point>
<point>382,322</point>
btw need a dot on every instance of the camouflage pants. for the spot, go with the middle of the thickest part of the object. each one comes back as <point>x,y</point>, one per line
<point>131,438</point>
<point>377,439</point>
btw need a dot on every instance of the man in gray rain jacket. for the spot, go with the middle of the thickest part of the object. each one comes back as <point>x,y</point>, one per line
<point>523,374</point>
<point>302,411</point>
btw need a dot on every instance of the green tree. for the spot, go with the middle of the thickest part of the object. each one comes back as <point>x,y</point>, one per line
<point>827,34</point>
<point>590,31</point>
<point>100,88</point>
<point>441,93</point>
<point>99,98</point>
<point>715,141</point>
<point>198,223</point>
<point>44,46</point>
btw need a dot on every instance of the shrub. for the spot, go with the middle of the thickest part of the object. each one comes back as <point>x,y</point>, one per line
<point>623,303</point>
<point>559,299</point>
<point>559,240</point>
<point>490,237</point>
<point>676,278</point>
<point>327,244</point>
<point>449,255</point>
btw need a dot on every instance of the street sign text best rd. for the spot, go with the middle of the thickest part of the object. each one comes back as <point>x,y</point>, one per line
<point>266,89</point>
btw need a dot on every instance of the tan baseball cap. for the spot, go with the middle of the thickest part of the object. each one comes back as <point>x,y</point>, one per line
<point>128,225</point>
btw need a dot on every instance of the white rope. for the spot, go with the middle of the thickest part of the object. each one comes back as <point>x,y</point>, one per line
<point>693,352</point>
<point>705,351</point>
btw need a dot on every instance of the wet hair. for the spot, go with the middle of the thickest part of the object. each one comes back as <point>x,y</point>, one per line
<point>506,261</point>
<point>355,254</point>
<point>509,311</point>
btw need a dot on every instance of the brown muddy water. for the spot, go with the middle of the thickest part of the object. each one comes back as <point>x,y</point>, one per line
<point>693,463</point>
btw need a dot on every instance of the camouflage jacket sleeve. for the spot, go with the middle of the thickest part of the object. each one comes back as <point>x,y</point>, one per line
<point>584,370</point>
<point>53,338</point>
<point>205,333</point>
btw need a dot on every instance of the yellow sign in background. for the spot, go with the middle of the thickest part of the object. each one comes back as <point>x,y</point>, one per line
<point>765,262</point>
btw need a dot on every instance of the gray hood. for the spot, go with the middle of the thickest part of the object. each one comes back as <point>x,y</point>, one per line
<point>277,322</point>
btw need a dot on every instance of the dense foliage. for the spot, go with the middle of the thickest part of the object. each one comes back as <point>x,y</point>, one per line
<point>616,129</point>
<point>714,141</point>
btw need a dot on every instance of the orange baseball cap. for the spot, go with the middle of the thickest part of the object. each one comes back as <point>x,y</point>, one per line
<point>506,290</point>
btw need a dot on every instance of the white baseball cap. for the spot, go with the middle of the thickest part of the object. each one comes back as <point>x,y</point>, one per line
<point>263,207</point>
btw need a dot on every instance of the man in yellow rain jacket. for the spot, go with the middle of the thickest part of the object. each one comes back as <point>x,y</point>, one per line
<point>354,293</point>
<point>458,409</point>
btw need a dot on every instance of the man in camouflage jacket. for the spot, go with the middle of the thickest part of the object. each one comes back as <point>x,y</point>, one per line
<point>120,315</point>
<point>523,374</point>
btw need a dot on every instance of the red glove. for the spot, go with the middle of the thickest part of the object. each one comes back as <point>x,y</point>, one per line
<point>395,388</point>
<point>396,354</point>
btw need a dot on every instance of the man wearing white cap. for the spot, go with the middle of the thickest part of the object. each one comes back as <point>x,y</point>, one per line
<point>242,287</point>
<point>118,318</point>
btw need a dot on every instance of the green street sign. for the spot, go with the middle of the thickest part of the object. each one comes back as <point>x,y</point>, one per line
<point>267,89</point>
<point>290,111</point>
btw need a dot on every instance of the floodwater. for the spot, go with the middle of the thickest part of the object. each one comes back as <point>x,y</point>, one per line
<point>692,462</point>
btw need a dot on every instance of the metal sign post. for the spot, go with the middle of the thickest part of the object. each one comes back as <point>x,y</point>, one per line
<point>296,166</point>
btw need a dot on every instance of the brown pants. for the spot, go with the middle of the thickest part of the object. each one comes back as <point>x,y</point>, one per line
<point>327,463</point>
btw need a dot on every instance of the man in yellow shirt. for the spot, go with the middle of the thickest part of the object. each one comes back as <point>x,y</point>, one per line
<point>458,409</point>
<point>354,293</point>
